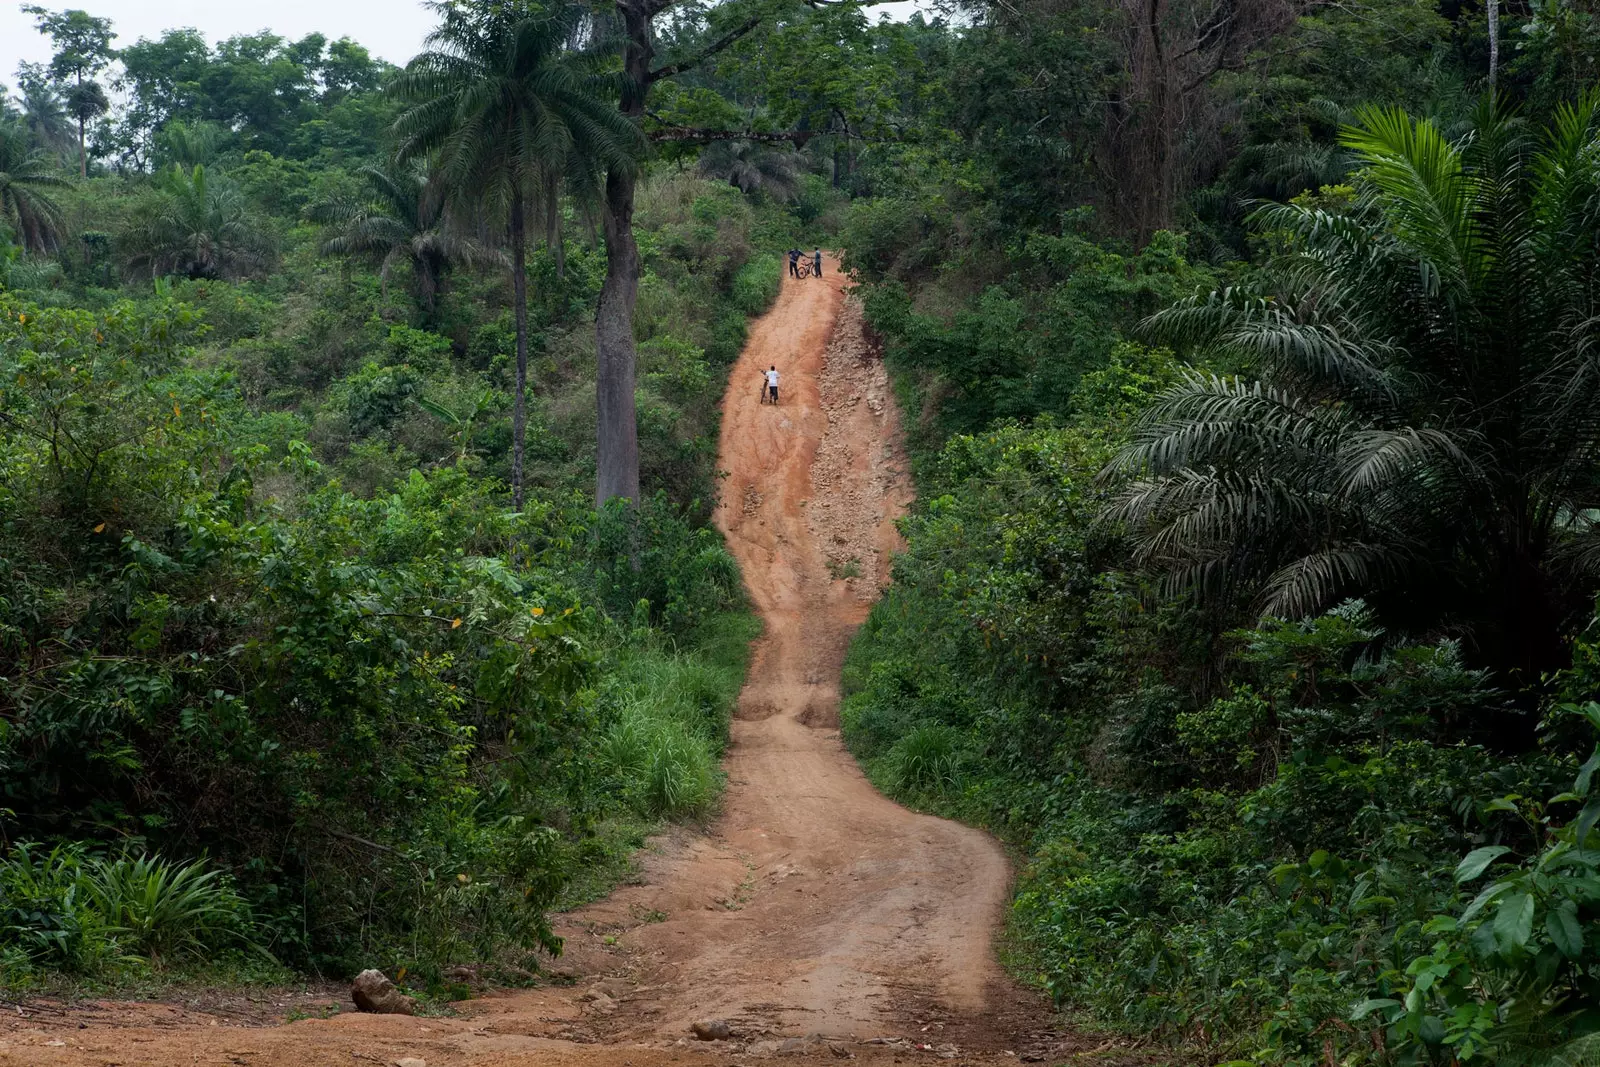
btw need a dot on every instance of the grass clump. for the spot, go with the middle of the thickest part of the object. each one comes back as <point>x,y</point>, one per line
<point>926,760</point>
<point>671,713</point>
<point>71,911</point>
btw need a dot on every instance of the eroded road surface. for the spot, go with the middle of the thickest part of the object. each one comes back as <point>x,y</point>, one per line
<point>817,918</point>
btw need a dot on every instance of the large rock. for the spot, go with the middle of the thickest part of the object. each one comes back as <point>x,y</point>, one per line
<point>712,1029</point>
<point>373,992</point>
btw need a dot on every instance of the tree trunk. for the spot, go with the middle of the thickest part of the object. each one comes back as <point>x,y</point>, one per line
<point>617,454</point>
<point>552,224</point>
<point>1494,42</point>
<point>519,300</point>
<point>83,153</point>
<point>617,467</point>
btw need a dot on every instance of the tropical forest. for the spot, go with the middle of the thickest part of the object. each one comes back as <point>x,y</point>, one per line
<point>685,532</point>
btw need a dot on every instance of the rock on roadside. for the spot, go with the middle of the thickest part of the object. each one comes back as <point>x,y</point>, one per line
<point>373,992</point>
<point>712,1029</point>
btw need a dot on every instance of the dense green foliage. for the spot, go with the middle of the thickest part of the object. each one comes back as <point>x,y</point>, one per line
<point>1273,648</point>
<point>283,679</point>
<point>1245,352</point>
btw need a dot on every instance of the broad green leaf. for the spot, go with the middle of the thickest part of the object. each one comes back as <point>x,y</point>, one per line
<point>1367,1007</point>
<point>1483,899</point>
<point>1513,923</point>
<point>1566,933</point>
<point>436,410</point>
<point>1580,785</point>
<point>1477,861</point>
<point>1586,820</point>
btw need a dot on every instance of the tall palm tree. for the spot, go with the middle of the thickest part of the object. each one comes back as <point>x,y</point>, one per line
<point>502,104</point>
<point>402,219</point>
<point>197,226</point>
<point>25,175</point>
<point>1419,419</point>
<point>42,111</point>
<point>188,144</point>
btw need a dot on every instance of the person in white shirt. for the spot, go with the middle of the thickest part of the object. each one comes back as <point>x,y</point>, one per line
<point>772,384</point>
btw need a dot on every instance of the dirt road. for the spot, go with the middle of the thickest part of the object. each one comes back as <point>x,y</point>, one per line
<point>813,906</point>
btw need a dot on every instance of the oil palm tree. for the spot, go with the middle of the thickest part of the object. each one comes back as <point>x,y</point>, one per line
<point>42,110</point>
<point>401,220</point>
<point>1419,416</point>
<point>502,104</point>
<point>197,226</point>
<point>26,175</point>
<point>752,168</point>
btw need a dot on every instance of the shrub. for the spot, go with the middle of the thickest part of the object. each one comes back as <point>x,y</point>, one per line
<point>166,910</point>
<point>756,285</point>
<point>71,910</point>
<point>48,916</point>
<point>671,720</point>
<point>649,552</point>
<point>925,760</point>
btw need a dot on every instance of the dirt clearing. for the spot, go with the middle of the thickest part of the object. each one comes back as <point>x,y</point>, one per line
<point>817,918</point>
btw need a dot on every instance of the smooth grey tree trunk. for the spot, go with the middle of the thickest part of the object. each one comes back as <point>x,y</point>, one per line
<point>552,222</point>
<point>1494,42</point>
<point>617,452</point>
<point>519,299</point>
<point>617,459</point>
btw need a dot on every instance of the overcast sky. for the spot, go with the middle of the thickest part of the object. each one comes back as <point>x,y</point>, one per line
<point>393,29</point>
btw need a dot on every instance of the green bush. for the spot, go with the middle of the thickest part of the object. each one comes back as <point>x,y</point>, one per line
<point>48,913</point>
<point>648,552</point>
<point>165,910</point>
<point>926,760</point>
<point>756,285</point>
<point>1237,834</point>
<point>70,910</point>
<point>671,714</point>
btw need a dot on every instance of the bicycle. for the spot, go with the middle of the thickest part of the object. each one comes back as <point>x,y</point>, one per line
<point>803,268</point>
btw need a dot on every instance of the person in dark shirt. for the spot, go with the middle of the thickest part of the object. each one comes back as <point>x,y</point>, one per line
<point>794,263</point>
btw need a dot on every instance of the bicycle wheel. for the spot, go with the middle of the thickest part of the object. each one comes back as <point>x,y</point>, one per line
<point>804,269</point>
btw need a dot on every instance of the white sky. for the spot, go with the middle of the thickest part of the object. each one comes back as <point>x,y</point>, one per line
<point>392,29</point>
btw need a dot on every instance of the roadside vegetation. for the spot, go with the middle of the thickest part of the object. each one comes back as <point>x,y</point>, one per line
<point>358,604</point>
<point>1248,591</point>
<point>291,680</point>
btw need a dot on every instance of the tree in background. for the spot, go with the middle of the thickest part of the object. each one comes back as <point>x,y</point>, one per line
<point>42,112</point>
<point>502,104</point>
<point>617,459</point>
<point>401,220</point>
<point>26,173</point>
<point>188,144</point>
<point>751,168</point>
<point>197,226</point>
<point>83,50</point>
<point>1419,425</point>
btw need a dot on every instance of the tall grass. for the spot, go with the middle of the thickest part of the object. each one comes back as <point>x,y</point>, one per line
<point>670,718</point>
<point>926,760</point>
<point>72,911</point>
<point>167,910</point>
